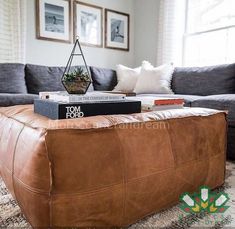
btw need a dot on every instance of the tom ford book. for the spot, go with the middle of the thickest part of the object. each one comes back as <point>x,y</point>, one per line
<point>60,110</point>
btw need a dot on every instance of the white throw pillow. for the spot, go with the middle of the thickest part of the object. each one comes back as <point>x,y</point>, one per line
<point>146,64</point>
<point>155,80</point>
<point>127,77</point>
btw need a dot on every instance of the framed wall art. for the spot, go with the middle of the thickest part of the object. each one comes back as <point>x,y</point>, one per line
<point>53,20</point>
<point>88,24</point>
<point>117,30</point>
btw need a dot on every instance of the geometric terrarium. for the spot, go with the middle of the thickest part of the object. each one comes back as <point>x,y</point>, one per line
<point>76,79</point>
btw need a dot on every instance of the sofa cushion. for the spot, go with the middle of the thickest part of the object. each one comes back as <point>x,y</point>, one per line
<point>188,98</point>
<point>16,99</point>
<point>204,80</point>
<point>220,102</point>
<point>42,78</point>
<point>103,79</point>
<point>231,145</point>
<point>12,78</point>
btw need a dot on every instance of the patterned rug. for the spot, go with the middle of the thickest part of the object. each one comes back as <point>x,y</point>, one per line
<point>11,216</point>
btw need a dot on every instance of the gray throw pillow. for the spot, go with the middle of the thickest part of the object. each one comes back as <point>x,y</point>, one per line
<point>210,80</point>
<point>43,78</point>
<point>12,78</point>
<point>103,79</point>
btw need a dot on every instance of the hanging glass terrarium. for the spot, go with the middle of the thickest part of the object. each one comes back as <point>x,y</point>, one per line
<point>76,79</point>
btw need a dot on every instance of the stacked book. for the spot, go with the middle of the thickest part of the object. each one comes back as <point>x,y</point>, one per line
<point>61,105</point>
<point>160,103</point>
<point>62,96</point>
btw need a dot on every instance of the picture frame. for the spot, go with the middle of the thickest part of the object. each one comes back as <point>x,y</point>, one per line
<point>117,30</point>
<point>88,24</point>
<point>53,20</point>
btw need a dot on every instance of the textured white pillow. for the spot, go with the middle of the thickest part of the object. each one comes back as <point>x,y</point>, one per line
<point>146,64</point>
<point>155,80</point>
<point>127,77</point>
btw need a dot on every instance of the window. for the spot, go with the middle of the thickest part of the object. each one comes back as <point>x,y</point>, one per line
<point>12,30</point>
<point>209,32</point>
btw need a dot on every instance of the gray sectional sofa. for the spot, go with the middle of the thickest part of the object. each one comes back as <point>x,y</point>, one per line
<point>211,87</point>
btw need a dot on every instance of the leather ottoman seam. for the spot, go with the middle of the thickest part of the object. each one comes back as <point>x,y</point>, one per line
<point>170,141</point>
<point>23,123</point>
<point>123,168</point>
<point>133,180</point>
<point>71,195</point>
<point>13,183</point>
<point>136,121</point>
<point>35,190</point>
<point>127,181</point>
<point>13,160</point>
<point>90,191</point>
<point>51,181</point>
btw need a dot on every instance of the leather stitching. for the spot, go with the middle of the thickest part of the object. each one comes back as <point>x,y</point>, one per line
<point>123,168</point>
<point>51,181</point>
<point>13,163</point>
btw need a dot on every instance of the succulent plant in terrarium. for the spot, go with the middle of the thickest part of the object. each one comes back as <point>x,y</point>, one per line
<point>76,80</point>
<point>77,74</point>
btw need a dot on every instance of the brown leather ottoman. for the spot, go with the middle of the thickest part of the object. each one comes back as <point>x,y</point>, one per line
<point>108,170</point>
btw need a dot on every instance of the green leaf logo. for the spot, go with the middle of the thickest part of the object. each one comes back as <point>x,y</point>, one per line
<point>205,200</point>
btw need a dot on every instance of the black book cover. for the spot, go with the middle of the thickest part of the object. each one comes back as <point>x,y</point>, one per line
<point>58,110</point>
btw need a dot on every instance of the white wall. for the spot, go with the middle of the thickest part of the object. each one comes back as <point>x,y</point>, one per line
<point>146,23</point>
<point>56,54</point>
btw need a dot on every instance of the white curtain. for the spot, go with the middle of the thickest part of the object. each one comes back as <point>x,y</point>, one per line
<point>171,26</point>
<point>12,30</point>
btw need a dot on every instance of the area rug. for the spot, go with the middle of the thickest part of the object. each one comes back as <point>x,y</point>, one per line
<point>11,216</point>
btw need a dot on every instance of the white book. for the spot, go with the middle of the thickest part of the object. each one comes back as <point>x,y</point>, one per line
<point>88,97</point>
<point>146,107</point>
<point>46,94</point>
